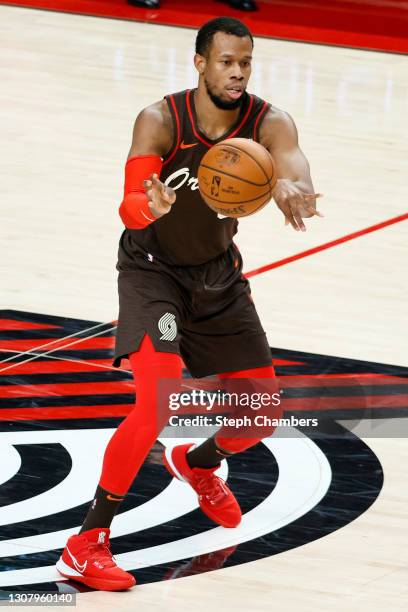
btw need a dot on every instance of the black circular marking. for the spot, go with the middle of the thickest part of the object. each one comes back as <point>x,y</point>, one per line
<point>43,466</point>
<point>252,476</point>
<point>149,482</point>
<point>357,479</point>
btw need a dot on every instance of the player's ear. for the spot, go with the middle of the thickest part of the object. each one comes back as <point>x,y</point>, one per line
<point>199,63</point>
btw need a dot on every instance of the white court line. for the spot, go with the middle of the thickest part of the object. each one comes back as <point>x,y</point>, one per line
<point>98,365</point>
<point>59,348</point>
<point>83,331</point>
<point>92,363</point>
<point>304,478</point>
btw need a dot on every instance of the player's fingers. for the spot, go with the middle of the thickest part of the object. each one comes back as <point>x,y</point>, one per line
<point>147,183</point>
<point>298,218</point>
<point>312,211</point>
<point>170,194</point>
<point>312,196</point>
<point>285,208</point>
<point>161,186</point>
<point>296,207</point>
<point>292,221</point>
<point>165,196</point>
<point>156,182</point>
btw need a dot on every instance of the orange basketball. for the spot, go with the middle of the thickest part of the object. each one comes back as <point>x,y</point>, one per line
<point>236,177</point>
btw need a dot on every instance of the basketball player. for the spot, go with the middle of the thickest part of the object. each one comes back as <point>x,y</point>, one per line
<point>181,287</point>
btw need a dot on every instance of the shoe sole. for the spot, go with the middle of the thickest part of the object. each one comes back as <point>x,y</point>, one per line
<point>168,463</point>
<point>101,584</point>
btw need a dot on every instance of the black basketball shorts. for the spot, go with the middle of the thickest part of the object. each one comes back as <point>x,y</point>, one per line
<point>205,313</point>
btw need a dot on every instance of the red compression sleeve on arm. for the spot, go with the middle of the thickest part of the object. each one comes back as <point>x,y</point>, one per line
<point>134,209</point>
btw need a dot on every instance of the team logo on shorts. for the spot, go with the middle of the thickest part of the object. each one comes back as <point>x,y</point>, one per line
<point>167,326</point>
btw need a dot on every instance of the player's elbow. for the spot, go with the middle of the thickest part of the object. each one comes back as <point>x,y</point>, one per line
<point>134,211</point>
<point>126,218</point>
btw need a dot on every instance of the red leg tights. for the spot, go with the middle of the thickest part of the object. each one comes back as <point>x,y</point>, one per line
<point>236,444</point>
<point>132,440</point>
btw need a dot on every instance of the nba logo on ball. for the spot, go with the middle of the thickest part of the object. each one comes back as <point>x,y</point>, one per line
<point>215,185</point>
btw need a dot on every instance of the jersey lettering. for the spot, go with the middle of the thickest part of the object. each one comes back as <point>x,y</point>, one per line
<point>184,175</point>
<point>192,233</point>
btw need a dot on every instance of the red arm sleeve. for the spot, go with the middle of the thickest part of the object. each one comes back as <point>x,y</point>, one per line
<point>134,209</point>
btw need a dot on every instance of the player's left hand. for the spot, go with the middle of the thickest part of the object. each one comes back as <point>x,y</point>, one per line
<point>295,203</point>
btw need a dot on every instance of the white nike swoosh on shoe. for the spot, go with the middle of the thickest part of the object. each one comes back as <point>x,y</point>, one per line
<point>80,568</point>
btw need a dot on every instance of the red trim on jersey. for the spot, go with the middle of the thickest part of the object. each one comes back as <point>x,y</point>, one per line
<point>251,103</point>
<point>197,135</point>
<point>190,114</point>
<point>178,131</point>
<point>261,112</point>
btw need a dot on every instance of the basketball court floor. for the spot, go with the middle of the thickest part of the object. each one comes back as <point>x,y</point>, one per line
<point>325,523</point>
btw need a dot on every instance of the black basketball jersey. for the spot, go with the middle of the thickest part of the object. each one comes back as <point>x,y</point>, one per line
<point>191,233</point>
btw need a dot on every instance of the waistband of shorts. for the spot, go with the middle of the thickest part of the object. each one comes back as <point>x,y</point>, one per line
<point>193,267</point>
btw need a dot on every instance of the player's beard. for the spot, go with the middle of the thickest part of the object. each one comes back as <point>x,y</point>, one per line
<point>222,104</point>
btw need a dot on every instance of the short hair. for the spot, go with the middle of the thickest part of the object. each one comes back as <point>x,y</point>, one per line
<point>229,25</point>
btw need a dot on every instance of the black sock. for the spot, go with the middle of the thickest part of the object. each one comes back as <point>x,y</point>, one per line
<point>206,455</point>
<point>102,509</point>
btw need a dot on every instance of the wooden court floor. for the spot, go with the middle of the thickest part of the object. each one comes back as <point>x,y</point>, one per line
<point>71,88</point>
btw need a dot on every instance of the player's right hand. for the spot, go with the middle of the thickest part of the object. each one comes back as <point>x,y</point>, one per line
<point>161,197</point>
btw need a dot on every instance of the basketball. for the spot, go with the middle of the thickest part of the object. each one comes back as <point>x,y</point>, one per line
<point>236,177</point>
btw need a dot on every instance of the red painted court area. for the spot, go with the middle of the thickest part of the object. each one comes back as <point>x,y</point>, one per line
<point>368,24</point>
<point>75,383</point>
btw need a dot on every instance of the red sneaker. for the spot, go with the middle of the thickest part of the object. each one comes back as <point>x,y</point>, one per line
<point>215,498</point>
<point>88,559</point>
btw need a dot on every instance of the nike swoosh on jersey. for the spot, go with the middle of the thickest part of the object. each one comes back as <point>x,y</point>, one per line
<point>78,566</point>
<point>188,146</point>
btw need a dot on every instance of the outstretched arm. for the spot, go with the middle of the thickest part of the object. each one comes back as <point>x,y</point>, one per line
<point>293,193</point>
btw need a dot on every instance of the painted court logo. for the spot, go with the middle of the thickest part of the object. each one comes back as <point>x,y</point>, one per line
<point>167,327</point>
<point>302,487</point>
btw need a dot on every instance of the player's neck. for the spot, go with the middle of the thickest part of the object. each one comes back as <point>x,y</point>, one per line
<point>213,121</point>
